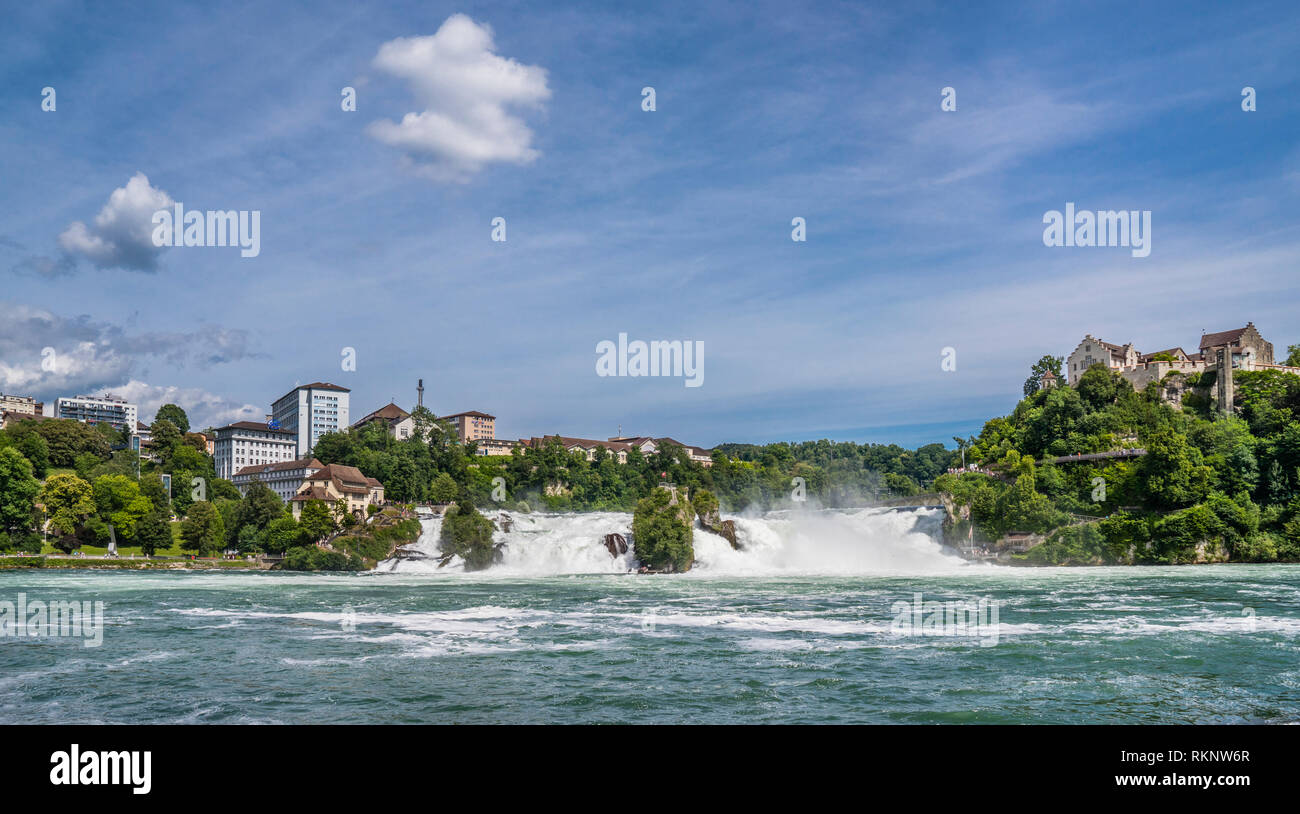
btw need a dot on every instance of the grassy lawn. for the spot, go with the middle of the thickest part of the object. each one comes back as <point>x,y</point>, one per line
<point>128,550</point>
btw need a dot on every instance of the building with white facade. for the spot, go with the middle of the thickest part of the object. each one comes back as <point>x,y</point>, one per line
<point>309,411</point>
<point>249,443</point>
<point>105,409</point>
<point>284,478</point>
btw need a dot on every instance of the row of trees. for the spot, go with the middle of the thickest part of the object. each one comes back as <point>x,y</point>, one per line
<point>432,465</point>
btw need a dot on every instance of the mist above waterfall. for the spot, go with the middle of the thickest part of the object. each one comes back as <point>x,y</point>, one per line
<point>811,541</point>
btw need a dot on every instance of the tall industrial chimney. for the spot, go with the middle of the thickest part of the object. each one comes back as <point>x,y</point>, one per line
<point>420,400</point>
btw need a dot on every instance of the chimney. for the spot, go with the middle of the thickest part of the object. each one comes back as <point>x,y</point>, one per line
<point>420,390</point>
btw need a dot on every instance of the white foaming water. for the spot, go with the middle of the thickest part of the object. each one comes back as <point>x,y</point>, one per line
<point>830,541</point>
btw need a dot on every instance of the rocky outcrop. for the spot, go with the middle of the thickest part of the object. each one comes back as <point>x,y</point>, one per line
<point>727,529</point>
<point>615,544</point>
<point>710,518</point>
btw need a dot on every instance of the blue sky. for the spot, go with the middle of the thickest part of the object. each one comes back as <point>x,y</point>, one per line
<point>924,227</point>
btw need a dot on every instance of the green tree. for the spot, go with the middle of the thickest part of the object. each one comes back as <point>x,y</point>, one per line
<point>18,491</point>
<point>68,502</point>
<point>164,436</point>
<point>1293,357</point>
<point>175,415</point>
<point>259,507</point>
<point>1173,471</point>
<point>1099,387</point>
<point>316,520</point>
<point>1047,363</point>
<point>120,504</point>
<point>444,489</point>
<point>468,534</point>
<point>153,533</point>
<point>151,486</point>
<point>67,439</point>
<point>282,534</point>
<point>37,451</point>
<point>202,531</point>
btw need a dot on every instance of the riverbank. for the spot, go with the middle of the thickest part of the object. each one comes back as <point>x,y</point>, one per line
<point>9,563</point>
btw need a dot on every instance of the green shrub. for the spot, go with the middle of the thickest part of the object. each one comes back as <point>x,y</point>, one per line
<point>661,533</point>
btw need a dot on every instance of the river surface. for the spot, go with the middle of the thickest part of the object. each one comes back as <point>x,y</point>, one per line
<point>818,620</point>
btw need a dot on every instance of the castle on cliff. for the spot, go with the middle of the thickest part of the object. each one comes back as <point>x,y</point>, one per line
<point>1235,350</point>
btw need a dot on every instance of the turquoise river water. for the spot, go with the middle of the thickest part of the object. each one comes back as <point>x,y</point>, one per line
<point>816,621</point>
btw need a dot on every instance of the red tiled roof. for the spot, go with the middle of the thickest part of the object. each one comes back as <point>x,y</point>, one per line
<point>301,463</point>
<point>389,412</point>
<point>472,413</point>
<point>1221,338</point>
<point>345,478</point>
<point>314,493</point>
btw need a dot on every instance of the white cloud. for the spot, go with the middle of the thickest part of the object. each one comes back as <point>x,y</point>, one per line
<point>122,234</point>
<point>465,90</point>
<point>46,355</point>
<point>204,409</point>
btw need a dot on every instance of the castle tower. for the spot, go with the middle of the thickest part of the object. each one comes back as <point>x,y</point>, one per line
<point>1223,359</point>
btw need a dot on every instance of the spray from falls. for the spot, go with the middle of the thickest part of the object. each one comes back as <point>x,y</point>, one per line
<point>829,541</point>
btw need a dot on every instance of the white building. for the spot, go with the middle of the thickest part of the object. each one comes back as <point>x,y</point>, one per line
<point>105,409</point>
<point>248,443</point>
<point>285,478</point>
<point>309,411</point>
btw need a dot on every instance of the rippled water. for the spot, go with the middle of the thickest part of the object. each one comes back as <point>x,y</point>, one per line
<point>1129,645</point>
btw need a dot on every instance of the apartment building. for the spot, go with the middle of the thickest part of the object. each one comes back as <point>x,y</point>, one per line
<point>309,411</point>
<point>250,443</point>
<point>104,409</point>
<point>25,405</point>
<point>473,425</point>
<point>284,478</point>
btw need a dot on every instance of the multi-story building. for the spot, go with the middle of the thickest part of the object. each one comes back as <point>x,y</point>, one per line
<point>648,445</point>
<point>20,404</point>
<point>105,409</point>
<point>338,482</point>
<point>494,446</point>
<point>284,478</point>
<point>309,411</point>
<point>473,425</point>
<point>249,443</point>
<point>399,423</point>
